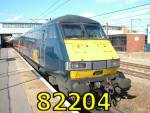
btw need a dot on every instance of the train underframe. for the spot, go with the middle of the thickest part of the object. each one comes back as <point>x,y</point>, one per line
<point>117,85</point>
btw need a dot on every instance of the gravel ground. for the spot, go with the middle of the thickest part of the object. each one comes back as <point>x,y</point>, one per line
<point>140,97</point>
<point>139,101</point>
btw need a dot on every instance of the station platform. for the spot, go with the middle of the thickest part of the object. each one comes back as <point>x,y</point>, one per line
<point>20,84</point>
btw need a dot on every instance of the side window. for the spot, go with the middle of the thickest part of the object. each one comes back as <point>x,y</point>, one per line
<point>43,34</point>
<point>52,31</point>
<point>21,41</point>
<point>40,34</point>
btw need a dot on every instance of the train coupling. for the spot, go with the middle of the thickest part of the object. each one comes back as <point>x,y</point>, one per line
<point>121,84</point>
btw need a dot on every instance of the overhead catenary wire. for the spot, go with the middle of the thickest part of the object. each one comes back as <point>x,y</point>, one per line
<point>121,15</point>
<point>52,11</point>
<point>58,7</point>
<point>128,16</point>
<point>51,6</point>
<point>136,11</point>
<point>141,25</point>
<point>127,22</point>
<point>120,10</point>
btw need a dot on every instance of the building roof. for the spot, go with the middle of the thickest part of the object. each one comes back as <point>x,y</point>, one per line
<point>126,34</point>
<point>19,23</point>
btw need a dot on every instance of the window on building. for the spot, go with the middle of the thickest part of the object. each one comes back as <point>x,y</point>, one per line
<point>19,25</point>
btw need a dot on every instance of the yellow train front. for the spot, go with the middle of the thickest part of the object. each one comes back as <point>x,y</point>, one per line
<point>93,62</point>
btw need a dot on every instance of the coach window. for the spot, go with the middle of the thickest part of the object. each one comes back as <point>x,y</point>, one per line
<point>22,41</point>
<point>52,31</point>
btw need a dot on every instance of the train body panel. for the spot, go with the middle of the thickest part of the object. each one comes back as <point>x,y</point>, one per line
<point>90,50</point>
<point>45,47</point>
<point>93,73</point>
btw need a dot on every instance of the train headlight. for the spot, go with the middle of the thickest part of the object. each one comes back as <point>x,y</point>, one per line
<point>113,63</point>
<point>78,65</point>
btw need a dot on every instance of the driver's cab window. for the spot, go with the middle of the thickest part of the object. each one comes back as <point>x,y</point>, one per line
<point>72,30</point>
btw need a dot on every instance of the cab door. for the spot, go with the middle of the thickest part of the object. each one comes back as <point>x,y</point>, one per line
<point>42,48</point>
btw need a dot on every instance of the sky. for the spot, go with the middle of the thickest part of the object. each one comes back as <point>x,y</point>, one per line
<point>27,10</point>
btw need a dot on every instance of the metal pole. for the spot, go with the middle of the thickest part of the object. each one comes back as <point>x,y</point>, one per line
<point>107,28</point>
<point>131,26</point>
<point>0,46</point>
<point>132,23</point>
<point>148,34</point>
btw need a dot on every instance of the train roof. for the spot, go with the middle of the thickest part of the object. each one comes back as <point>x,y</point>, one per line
<point>74,19</point>
<point>67,19</point>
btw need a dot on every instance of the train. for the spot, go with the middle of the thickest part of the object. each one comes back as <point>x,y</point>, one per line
<point>76,55</point>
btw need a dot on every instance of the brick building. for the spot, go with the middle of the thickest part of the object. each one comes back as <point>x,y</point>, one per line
<point>130,42</point>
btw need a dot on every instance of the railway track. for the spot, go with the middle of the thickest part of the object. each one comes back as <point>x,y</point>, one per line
<point>137,70</point>
<point>135,65</point>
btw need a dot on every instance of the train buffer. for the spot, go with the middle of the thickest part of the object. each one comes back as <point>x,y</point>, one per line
<point>20,84</point>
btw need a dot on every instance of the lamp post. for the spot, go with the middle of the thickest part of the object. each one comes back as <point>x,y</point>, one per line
<point>132,24</point>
